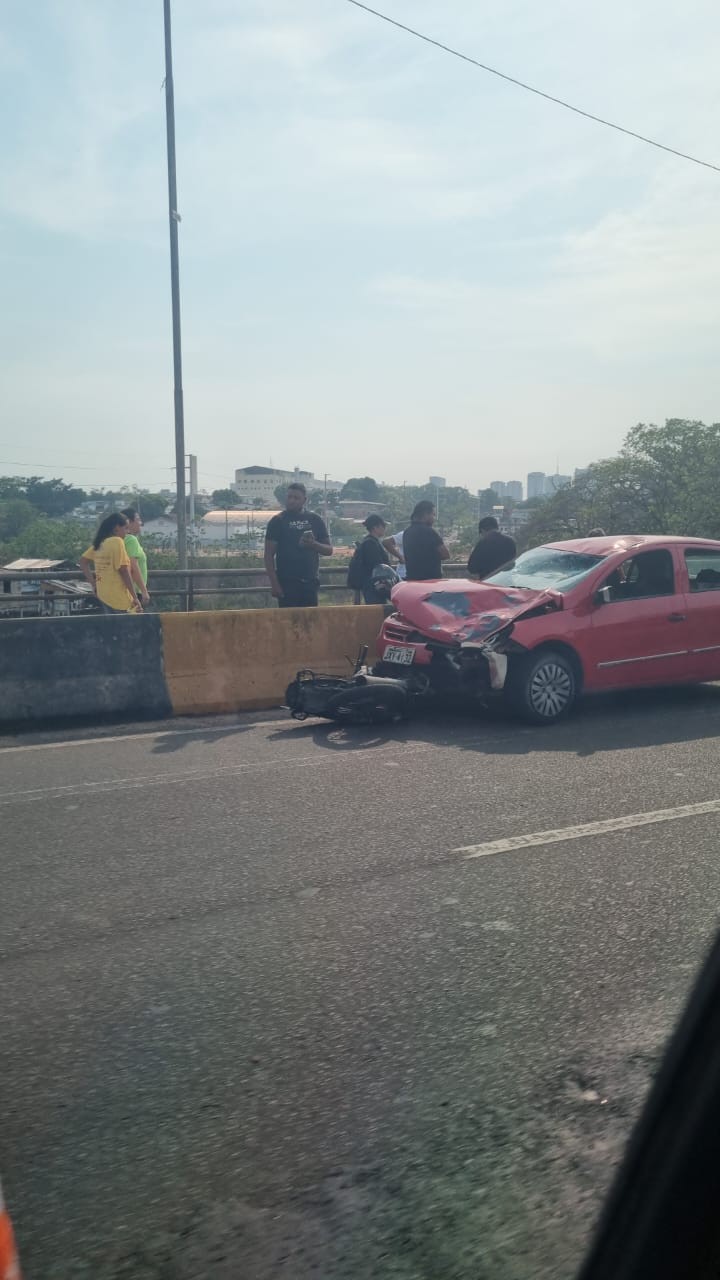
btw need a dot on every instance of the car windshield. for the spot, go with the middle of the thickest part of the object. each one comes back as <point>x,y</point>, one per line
<point>546,567</point>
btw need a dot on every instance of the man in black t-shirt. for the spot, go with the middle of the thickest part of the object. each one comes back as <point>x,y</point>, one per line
<point>492,552</point>
<point>423,548</point>
<point>293,542</point>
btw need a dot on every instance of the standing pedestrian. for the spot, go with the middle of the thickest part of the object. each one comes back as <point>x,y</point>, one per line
<point>394,544</point>
<point>294,541</point>
<point>367,556</point>
<point>423,548</point>
<point>492,551</point>
<point>106,565</point>
<point>138,558</point>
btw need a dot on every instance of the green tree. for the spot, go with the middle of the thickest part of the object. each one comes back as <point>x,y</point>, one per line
<point>52,497</point>
<point>151,505</point>
<point>316,499</point>
<point>15,515</point>
<point>362,489</point>
<point>48,539</point>
<point>345,533</point>
<point>664,480</point>
<point>224,499</point>
<point>676,467</point>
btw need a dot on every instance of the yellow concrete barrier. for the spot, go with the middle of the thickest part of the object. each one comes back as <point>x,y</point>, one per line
<point>244,659</point>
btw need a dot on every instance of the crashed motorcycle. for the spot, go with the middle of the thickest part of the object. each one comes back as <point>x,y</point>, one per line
<point>360,698</point>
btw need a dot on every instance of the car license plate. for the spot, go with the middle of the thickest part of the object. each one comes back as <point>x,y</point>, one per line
<point>399,653</point>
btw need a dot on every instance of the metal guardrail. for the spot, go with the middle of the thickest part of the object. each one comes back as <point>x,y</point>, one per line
<point>186,586</point>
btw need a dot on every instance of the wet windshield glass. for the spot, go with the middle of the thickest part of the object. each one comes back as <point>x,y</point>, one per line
<point>544,567</point>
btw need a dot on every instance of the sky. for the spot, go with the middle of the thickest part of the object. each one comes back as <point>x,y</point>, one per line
<point>392,263</point>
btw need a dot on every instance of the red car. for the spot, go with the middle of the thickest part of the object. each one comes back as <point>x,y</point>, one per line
<point>566,618</point>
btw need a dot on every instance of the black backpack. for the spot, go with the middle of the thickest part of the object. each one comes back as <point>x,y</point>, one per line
<point>357,572</point>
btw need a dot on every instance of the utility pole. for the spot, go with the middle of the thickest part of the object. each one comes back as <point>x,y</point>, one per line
<point>193,483</point>
<point>175,292</point>
<point>193,477</point>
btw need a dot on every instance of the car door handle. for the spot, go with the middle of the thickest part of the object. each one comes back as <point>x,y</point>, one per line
<point>677,617</point>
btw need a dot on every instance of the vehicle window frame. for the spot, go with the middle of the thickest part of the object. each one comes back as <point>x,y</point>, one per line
<point>712,553</point>
<point>637,555</point>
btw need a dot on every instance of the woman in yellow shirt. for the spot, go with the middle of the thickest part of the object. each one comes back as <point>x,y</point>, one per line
<point>106,565</point>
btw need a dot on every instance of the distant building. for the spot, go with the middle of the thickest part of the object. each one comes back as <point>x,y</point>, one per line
<point>358,508</point>
<point>218,527</point>
<point>24,597</point>
<point>508,489</point>
<point>257,485</point>
<point>438,482</point>
<point>90,510</point>
<point>554,483</point>
<point>164,527</point>
<point>536,484</point>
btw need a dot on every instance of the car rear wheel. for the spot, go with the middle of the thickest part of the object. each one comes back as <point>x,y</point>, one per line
<point>542,687</point>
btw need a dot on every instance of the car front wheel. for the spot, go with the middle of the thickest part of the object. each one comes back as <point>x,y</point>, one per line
<point>542,687</point>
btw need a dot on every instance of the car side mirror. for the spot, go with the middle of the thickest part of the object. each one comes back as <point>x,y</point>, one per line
<point>604,596</point>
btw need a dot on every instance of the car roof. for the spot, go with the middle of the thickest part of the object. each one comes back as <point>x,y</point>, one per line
<point>606,545</point>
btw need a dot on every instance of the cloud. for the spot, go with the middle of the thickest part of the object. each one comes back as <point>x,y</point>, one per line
<point>354,200</point>
<point>640,282</point>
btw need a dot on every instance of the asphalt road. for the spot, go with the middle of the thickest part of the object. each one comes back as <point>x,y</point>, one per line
<point>263,1017</point>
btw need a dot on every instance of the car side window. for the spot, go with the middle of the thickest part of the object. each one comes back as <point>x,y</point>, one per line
<point>650,573</point>
<point>703,569</point>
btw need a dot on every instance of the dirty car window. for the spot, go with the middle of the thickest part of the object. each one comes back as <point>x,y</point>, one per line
<point>544,567</point>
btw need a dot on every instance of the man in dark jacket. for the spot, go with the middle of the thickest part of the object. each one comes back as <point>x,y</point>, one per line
<point>492,552</point>
<point>423,548</point>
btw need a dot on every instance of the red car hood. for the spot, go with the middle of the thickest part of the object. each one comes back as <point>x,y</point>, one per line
<point>459,610</point>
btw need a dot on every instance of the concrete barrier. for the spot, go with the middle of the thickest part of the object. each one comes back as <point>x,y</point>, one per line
<point>243,659</point>
<point>86,666</point>
<point>173,663</point>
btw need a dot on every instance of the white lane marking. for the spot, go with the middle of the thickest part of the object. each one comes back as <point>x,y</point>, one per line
<point>603,827</point>
<point>149,733</point>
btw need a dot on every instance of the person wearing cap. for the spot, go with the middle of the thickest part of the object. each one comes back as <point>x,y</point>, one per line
<point>372,553</point>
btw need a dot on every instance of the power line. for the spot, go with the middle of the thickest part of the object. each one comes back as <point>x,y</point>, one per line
<point>65,466</point>
<point>446,48</point>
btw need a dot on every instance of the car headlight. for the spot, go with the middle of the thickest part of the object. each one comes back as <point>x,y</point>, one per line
<point>498,640</point>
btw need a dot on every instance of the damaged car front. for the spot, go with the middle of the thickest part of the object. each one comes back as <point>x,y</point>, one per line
<point>474,636</point>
